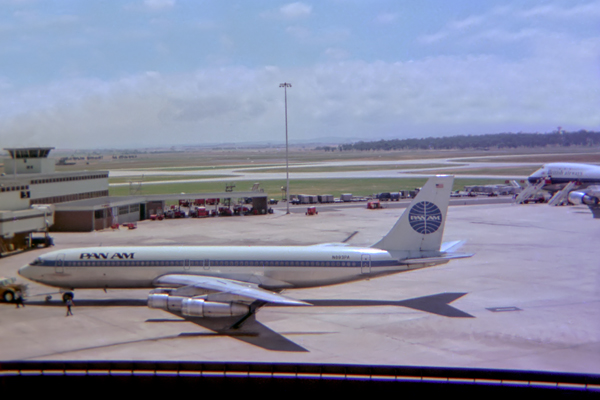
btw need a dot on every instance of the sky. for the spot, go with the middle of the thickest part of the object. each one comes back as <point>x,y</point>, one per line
<point>156,73</point>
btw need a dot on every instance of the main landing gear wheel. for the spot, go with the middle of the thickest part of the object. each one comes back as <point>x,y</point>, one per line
<point>68,296</point>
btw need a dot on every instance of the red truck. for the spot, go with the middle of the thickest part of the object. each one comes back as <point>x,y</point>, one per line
<point>199,212</point>
<point>311,211</point>
<point>373,205</point>
<point>225,211</point>
<point>240,209</point>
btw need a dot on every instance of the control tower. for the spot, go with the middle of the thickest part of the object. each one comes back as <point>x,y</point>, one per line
<point>28,160</point>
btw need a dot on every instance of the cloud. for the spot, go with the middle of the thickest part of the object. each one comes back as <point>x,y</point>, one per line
<point>299,32</point>
<point>433,38</point>
<point>295,10</point>
<point>159,4</point>
<point>507,24</point>
<point>320,36</point>
<point>506,36</point>
<point>336,54</point>
<point>386,18</point>
<point>466,23</point>
<point>433,96</point>
<point>474,88</point>
<point>289,11</point>
<point>589,10</point>
<point>36,20</point>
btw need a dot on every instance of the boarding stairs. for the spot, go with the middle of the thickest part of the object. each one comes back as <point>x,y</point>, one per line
<point>515,184</point>
<point>561,197</point>
<point>530,191</point>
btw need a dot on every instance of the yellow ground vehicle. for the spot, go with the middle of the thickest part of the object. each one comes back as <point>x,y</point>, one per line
<point>9,289</point>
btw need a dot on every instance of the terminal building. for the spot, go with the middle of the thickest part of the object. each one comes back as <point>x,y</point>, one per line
<point>36,198</point>
<point>29,189</point>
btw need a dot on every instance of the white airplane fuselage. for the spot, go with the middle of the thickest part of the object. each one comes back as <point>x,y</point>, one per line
<point>269,267</point>
<point>558,175</point>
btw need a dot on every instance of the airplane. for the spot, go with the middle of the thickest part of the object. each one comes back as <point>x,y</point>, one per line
<point>558,175</point>
<point>559,179</point>
<point>235,281</point>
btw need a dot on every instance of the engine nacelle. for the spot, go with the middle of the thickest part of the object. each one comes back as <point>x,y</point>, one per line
<point>583,198</point>
<point>196,307</point>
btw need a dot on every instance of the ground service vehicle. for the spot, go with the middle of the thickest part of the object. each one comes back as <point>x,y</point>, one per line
<point>312,211</point>
<point>202,212</point>
<point>44,241</point>
<point>373,205</point>
<point>9,289</point>
<point>384,196</point>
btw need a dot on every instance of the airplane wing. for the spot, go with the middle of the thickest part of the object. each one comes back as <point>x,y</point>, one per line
<point>227,286</point>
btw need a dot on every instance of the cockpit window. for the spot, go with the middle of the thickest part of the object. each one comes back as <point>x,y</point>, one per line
<point>37,261</point>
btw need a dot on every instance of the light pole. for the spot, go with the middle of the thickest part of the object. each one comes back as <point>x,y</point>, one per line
<point>286,85</point>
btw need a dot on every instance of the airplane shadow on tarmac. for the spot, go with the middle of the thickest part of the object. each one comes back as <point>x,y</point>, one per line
<point>257,334</point>
<point>91,303</point>
<point>438,304</point>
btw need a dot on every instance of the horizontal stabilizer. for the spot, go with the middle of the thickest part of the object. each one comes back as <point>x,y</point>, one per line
<point>438,260</point>
<point>331,245</point>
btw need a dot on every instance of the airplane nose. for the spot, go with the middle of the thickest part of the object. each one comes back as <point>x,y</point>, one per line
<point>24,271</point>
<point>537,175</point>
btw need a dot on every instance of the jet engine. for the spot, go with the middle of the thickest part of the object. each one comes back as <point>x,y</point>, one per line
<point>583,198</point>
<point>196,306</point>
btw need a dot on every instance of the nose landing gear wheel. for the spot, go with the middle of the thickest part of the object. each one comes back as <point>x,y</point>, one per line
<point>67,296</point>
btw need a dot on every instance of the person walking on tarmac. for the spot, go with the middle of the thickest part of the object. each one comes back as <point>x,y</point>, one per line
<point>69,305</point>
<point>19,300</point>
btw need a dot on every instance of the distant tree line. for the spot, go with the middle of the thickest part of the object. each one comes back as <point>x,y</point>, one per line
<point>495,140</point>
<point>327,148</point>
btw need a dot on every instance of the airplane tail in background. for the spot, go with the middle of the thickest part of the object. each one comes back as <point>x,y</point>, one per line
<point>420,229</point>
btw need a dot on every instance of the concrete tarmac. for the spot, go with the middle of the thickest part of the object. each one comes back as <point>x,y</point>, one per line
<point>529,299</point>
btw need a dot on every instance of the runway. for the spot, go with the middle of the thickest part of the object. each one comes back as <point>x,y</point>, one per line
<point>397,169</point>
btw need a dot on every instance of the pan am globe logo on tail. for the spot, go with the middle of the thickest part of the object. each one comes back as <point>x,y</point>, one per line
<point>425,217</point>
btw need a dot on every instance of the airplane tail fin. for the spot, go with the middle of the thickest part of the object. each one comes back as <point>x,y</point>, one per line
<point>421,227</point>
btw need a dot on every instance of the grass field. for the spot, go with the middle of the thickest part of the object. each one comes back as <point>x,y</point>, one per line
<point>156,178</point>
<point>358,187</point>
<point>205,168</point>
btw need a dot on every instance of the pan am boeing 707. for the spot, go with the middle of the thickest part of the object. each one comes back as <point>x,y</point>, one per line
<point>234,281</point>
